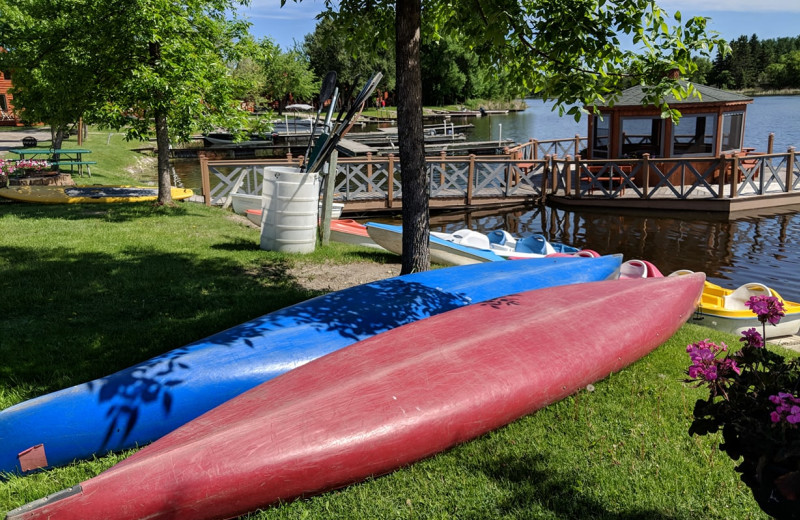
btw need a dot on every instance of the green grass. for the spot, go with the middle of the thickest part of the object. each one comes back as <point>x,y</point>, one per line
<point>91,289</point>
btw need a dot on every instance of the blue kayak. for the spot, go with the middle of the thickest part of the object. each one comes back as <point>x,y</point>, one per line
<point>142,403</point>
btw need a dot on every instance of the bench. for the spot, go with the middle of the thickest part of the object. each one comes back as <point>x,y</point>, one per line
<point>72,164</point>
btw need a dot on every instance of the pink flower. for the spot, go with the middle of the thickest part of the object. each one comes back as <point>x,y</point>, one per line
<point>788,408</point>
<point>752,338</point>
<point>768,308</point>
<point>706,367</point>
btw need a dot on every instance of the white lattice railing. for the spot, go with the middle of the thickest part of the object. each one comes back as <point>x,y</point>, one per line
<point>517,175</point>
<point>379,177</point>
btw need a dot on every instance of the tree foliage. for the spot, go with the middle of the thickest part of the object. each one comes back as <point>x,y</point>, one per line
<point>755,63</point>
<point>327,50</point>
<point>288,77</point>
<point>150,66</point>
<point>453,71</point>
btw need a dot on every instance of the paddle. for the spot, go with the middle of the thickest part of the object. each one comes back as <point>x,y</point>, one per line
<point>345,125</point>
<point>326,131</point>
<point>325,92</point>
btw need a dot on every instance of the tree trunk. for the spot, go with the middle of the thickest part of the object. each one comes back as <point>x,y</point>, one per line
<point>57,135</point>
<point>162,138</point>
<point>162,142</point>
<point>416,224</point>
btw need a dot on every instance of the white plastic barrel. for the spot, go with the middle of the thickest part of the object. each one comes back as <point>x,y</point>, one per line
<point>289,210</point>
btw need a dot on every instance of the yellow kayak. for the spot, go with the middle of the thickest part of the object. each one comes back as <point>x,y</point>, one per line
<point>724,309</point>
<point>84,194</point>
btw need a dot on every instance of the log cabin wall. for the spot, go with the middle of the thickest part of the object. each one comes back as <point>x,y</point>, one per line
<point>7,116</point>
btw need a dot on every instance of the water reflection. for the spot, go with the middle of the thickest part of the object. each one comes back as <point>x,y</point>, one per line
<point>758,246</point>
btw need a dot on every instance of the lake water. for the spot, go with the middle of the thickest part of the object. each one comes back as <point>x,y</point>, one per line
<point>766,114</point>
<point>761,246</point>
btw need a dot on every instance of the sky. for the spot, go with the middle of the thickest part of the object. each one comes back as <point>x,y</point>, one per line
<point>731,18</point>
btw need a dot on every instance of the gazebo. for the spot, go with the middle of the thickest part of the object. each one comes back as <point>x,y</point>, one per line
<point>709,126</point>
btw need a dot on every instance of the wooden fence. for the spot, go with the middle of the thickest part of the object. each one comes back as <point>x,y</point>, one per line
<point>522,174</point>
<point>728,176</point>
<point>374,182</point>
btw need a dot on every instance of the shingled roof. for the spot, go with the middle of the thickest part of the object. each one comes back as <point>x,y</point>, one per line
<point>633,97</point>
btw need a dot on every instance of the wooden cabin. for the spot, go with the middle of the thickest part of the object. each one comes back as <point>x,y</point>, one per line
<point>7,116</point>
<point>709,126</point>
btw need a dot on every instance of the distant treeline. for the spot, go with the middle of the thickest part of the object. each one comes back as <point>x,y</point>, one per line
<point>754,64</point>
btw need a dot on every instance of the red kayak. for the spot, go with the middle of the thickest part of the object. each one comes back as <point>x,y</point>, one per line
<point>351,232</point>
<point>386,402</point>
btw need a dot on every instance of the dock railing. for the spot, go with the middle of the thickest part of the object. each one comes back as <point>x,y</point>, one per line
<point>522,175</point>
<point>536,149</point>
<point>456,179</point>
<point>678,178</point>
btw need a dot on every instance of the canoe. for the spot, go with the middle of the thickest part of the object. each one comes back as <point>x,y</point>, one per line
<point>242,202</point>
<point>351,232</point>
<point>442,251</point>
<point>141,403</point>
<point>385,402</point>
<point>723,309</point>
<point>88,194</point>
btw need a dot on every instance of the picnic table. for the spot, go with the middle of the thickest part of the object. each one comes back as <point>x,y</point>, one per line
<point>58,158</point>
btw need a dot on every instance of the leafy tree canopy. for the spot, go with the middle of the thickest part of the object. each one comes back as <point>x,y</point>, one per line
<point>757,63</point>
<point>288,78</point>
<point>327,50</point>
<point>138,64</point>
<point>574,52</point>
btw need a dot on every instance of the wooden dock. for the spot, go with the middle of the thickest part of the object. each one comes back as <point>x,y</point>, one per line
<point>723,185</point>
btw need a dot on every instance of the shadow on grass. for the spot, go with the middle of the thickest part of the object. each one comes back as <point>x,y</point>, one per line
<point>75,317</point>
<point>70,317</point>
<point>123,212</point>
<point>532,487</point>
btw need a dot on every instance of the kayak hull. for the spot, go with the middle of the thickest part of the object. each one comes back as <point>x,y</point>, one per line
<point>139,404</point>
<point>385,402</point>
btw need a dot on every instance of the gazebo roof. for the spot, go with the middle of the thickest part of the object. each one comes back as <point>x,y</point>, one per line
<point>634,95</point>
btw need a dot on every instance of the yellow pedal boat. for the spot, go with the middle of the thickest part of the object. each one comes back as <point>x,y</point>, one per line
<point>725,310</point>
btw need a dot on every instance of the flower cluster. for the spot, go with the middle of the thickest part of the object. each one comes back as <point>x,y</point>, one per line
<point>788,408</point>
<point>768,308</point>
<point>753,402</point>
<point>10,167</point>
<point>752,339</point>
<point>707,368</point>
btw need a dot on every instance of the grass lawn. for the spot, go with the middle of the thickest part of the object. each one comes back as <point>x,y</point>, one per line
<point>91,289</point>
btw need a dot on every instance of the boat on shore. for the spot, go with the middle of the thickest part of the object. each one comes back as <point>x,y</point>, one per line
<point>384,403</point>
<point>95,194</point>
<point>442,250</point>
<point>724,309</point>
<point>250,206</point>
<point>351,232</point>
<point>144,402</point>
